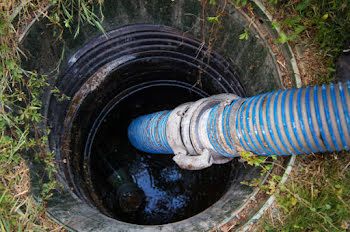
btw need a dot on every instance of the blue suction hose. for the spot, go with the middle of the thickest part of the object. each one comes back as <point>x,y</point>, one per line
<point>284,122</point>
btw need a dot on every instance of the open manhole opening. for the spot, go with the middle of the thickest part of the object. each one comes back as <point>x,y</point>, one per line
<point>170,193</point>
<point>139,69</point>
<point>160,69</point>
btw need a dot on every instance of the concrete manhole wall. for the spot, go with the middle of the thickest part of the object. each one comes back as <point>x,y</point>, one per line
<point>251,61</point>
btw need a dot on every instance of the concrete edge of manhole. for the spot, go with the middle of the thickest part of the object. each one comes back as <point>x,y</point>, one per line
<point>296,73</point>
<point>292,59</point>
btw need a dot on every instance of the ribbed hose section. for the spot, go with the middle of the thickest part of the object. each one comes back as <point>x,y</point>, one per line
<point>147,133</point>
<point>285,122</point>
<point>294,121</point>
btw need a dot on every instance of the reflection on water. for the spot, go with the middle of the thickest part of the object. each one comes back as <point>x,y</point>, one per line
<point>171,194</point>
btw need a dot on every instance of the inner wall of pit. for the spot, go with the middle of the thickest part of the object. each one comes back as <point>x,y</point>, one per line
<point>250,59</point>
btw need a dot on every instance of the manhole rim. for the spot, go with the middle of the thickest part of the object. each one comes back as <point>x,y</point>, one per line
<point>291,162</point>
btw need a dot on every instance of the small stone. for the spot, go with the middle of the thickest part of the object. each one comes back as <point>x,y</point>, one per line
<point>342,65</point>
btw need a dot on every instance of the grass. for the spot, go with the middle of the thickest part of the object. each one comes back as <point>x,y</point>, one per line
<point>20,111</point>
<point>316,198</point>
<point>322,26</point>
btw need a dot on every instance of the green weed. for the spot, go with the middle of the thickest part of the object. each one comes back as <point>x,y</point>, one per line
<point>244,35</point>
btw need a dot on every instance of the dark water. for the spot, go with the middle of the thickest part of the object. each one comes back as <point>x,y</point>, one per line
<point>170,193</point>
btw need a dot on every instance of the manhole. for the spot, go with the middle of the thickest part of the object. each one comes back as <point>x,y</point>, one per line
<point>156,68</point>
<point>150,61</point>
